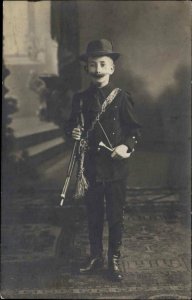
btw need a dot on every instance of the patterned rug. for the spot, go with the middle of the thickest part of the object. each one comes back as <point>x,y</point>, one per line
<point>44,245</point>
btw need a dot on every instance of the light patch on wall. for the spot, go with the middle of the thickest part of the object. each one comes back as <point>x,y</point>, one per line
<point>15,27</point>
<point>27,39</point>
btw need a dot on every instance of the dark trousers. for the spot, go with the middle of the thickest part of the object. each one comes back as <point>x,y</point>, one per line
<point>114,195</point>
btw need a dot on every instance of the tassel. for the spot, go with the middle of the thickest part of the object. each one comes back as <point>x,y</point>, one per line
<point>82,186</point>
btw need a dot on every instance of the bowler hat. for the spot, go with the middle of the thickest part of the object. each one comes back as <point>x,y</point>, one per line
<point>100,47</point>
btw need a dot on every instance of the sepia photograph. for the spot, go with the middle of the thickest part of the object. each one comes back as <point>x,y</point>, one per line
<point>96,150</point>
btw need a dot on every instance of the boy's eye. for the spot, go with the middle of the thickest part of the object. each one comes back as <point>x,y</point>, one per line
<point>91,64</point>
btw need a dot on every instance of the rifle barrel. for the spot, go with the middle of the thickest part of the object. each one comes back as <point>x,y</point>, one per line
<point>69,173</point>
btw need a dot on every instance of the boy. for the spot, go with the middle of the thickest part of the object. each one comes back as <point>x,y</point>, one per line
<point>105,166</point>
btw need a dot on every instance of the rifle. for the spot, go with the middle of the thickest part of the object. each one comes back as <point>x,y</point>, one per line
<point>78,154</point>
<point>69,171</point>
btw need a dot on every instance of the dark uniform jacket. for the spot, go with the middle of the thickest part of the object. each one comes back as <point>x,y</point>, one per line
<point>119,123</point>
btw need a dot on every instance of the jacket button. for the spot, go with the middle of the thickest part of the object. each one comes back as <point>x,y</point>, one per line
<point>113,132</point>
<point>133,137</point>
<point>114,119</point>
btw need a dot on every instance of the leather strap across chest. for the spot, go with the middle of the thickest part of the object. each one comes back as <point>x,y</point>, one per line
<point>105,104</point>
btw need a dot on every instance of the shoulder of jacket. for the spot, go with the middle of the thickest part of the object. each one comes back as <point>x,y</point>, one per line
<point>127,96</point>
<point>125,92</point>
<point>80,94</point>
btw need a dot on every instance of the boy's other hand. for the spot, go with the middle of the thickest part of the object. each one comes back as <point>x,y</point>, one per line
<point>120,152</point>
<point>76,134</point>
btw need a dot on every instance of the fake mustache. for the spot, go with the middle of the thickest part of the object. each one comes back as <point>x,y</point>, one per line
<point>97,75</point>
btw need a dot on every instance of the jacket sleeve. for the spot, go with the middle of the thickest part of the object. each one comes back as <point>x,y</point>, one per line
<point>73,119</point>
<point>131,127</point>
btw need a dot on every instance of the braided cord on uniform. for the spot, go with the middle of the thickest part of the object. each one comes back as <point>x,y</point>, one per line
<point>105,104</point>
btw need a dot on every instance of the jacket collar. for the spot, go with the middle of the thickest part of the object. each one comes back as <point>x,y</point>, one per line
<point>102,93</point>
<point>97,96</point>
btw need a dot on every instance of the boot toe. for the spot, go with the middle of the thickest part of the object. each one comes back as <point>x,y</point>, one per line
<point>118,277</point>
<point>115,276</point>
<point>94,265</point>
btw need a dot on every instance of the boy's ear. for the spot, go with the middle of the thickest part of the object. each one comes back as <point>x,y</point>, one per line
<point>112,69</point>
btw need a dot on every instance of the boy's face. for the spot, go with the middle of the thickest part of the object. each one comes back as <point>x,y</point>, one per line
<point>100,69</point>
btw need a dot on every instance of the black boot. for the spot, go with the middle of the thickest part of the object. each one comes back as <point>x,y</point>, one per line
<point>94,264</point>
<point>113,267</point>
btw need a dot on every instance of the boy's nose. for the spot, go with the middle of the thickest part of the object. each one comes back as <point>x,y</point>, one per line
<point>98,69</point>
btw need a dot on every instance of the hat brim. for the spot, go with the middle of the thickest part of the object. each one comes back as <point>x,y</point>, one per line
<point>114,55</point>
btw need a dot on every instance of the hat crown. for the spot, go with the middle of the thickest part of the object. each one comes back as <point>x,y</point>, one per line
<point>98,48</point>
<point>101,45</point>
